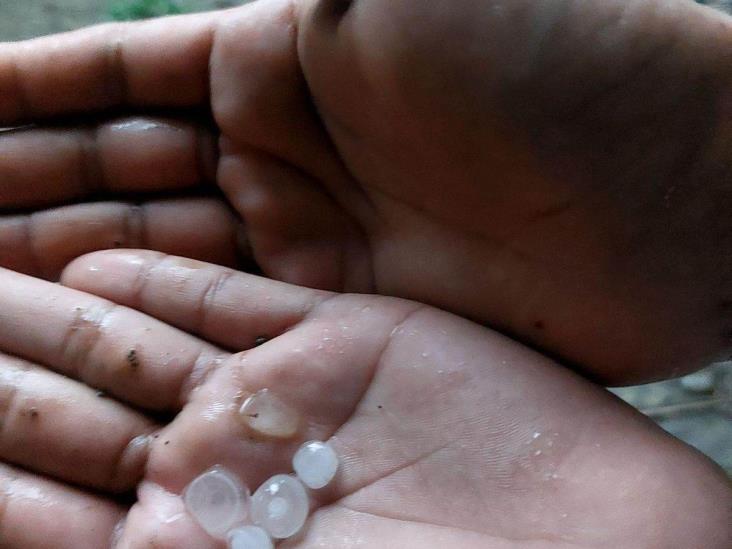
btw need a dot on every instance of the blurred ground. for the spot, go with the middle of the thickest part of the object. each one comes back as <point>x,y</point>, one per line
<point>697,409</point>
<point>27,18</point>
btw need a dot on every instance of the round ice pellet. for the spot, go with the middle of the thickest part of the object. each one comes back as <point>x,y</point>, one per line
<point>280,506</point>
<point>316,464</point>
<point>217,501</point>
<point>249,537</point>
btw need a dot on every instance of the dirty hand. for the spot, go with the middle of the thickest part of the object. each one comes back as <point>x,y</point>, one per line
<point>559,170</point>
<point>449,434</point>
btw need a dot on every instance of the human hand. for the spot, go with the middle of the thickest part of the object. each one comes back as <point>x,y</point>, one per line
<point>449,435</point>
<point>557,170</point>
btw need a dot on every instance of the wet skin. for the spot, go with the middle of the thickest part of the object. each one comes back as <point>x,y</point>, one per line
<point>449,434</point>
<point>556,170</point>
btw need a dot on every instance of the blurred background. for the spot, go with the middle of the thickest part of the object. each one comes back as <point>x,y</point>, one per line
<point>697,408</point>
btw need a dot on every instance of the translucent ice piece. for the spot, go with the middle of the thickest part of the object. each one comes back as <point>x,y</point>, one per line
<point>280,506</point>
<point>265,413</point>
<point>316,464</point>
<point>249,537</point>
<point>217,501</point>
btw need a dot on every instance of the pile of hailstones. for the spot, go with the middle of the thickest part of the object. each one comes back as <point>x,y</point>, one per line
<point>277,510</point>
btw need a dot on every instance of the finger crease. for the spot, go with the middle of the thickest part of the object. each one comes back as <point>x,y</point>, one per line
<point>201,370</point>
<point>208,299</point>
<point>82,337</point>
<point>24,107</point>
<point>117,79</point>
<point>7,403</point>
<point>30,236</point>
<point>91,172</point>
<point>121,475</point>
<point>134,230</point>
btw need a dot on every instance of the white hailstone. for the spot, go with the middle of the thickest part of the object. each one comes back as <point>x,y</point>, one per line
<point>217,501</point>
<point>281,506</point>
<point>316,464</point>
<point>266,414</point>
<point>249,537</point>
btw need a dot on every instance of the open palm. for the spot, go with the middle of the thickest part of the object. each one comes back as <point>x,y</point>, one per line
<point>449,434</point>
<point>400,148</point>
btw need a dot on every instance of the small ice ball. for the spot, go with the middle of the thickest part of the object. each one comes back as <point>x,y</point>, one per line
<point>217,501</point>
<point>316,464</point>
<point>266,414</point>
<point>249,537</point>
<point>281,506</point>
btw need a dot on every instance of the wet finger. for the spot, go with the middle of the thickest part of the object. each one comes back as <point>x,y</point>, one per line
<point>122,352</point>
<point>61,428</point>
<point>231,308</point>
<point>43,243</point>
<point>44,165</point>
<point>161,63</point>
<point>36,513</point>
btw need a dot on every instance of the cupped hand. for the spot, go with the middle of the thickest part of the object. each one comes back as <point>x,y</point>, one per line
<point>558,170</point>
<point>449,434</point>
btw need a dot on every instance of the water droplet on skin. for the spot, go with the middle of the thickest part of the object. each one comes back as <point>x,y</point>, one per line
<point>268,415</point>
<point>249,537</point>
<point>281,506</point>
<point>217,501</point>
<point>316,464</point>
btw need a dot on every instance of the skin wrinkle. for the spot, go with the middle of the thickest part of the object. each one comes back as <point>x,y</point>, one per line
<point>117,78</point>
<point>416,308</point>
<point>7,405</point>
<point>197,376</point>
<point>120,475</point>
<point>28,224</point>
<point>207,300</point>
<point>82,336</point>
<point>448,527</point>
<point>23,105</point>
<point>135,226</point>
<point>340,161</point>
<point>91,172</point>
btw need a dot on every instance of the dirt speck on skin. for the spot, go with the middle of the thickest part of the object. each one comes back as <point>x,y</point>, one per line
<point>260,340</point>
<point>133,359</point>
<point>31,413</point>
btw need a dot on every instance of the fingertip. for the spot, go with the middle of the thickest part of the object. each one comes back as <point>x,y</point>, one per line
<point>108,271</point>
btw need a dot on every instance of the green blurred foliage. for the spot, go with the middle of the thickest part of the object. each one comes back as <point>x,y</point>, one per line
<point>130,10</point>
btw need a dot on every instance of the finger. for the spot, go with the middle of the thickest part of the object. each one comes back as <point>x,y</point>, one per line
<point>161,62</point>
<point>43,166</point>
<point>224,306</point>
<point>122,352</point>
<point>159,520</point>
<point>36,513</point>
<point>43,243</point>
<point>59,427</point>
